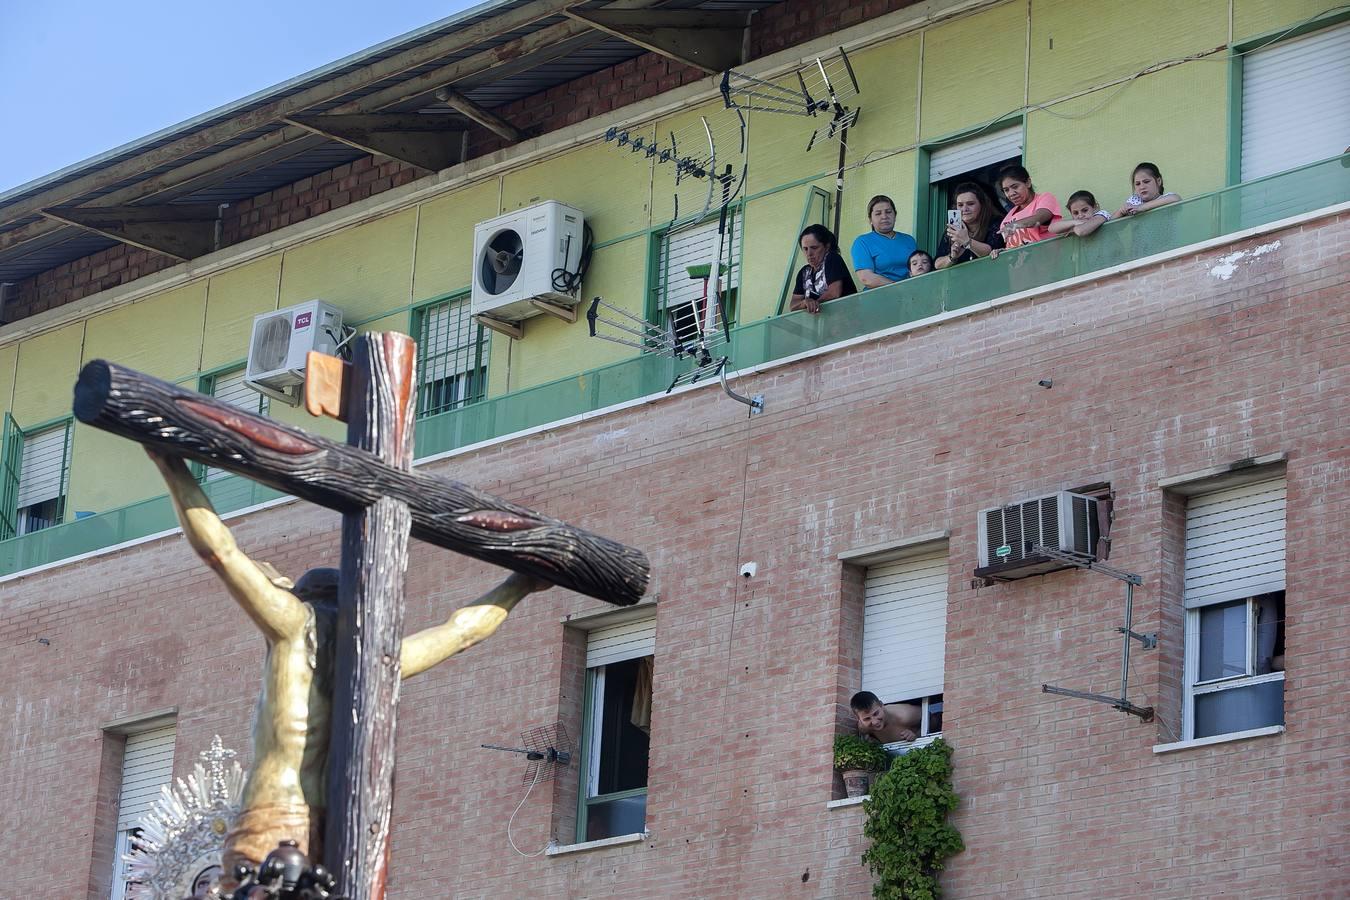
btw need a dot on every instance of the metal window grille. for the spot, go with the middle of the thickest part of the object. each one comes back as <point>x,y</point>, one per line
<point>451,357</point>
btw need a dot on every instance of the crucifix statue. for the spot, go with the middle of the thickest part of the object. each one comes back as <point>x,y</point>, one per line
<point>322,772</point>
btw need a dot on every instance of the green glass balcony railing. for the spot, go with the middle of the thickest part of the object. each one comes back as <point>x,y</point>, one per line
<point>1306,189</point>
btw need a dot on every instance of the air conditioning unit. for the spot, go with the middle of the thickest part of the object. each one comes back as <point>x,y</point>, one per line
<point>1063,521</point>
<point>517,257</point>
<point>280,342</point>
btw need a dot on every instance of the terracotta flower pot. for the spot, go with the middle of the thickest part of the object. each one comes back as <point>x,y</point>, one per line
<point>855,781</point>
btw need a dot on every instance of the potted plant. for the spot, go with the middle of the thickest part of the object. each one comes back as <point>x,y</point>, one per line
<point>856,759</point>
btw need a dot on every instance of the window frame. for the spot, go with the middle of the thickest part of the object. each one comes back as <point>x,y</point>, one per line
<point>475,392</point>
<point>930,210</point>
<point>15,438</point>
<point>1194,687</point>
<point>206,384</point>
<point>656,310</point>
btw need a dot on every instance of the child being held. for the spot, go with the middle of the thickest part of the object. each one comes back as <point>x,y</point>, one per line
<point>1087,216</point>
<point>920,263</point>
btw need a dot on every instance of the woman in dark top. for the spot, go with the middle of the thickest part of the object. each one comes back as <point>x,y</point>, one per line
<point>825,276</point>
<point>975,233</point>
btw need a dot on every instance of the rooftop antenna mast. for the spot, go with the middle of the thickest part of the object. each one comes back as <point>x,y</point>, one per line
<point>1150,641</point>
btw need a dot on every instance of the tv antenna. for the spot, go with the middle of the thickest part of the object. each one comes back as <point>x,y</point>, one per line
<point>820,91</point>
<point>546,748</point>
<point>696,329</point>
<point>706,160</point>
<point>1150,641</point>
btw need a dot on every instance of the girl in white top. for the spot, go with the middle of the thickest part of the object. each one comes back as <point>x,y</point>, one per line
<point>1148,191</point>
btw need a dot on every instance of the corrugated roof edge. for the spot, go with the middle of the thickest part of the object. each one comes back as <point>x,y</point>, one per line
<point>403,41</point>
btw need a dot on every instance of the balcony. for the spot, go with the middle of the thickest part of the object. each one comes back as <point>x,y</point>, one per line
<point>939,295</point>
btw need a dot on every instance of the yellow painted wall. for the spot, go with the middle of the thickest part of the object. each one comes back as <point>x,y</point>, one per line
<point>1254,18</point>
<point>607,184</point>
<point>160,335</point>
<point>893,176</point>
<point>9,360</point>
<point>233,298</point>
<point>364,270</point>
<point>687,128</point>
<point>974,69</point>
<point>1186,137</point>
<point>1072,49</point>
<point>45,375</point>
<point>776,147</point>
<point>444,254</point>
<point>888,75</point>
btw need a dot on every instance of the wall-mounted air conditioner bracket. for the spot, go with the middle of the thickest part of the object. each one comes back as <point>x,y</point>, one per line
<point>501,326</point>
<point>557,310</point>
<point>1150,641</point>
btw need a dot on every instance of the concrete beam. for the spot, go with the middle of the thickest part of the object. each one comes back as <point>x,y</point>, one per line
<point>711,40</point>
<point>428,142</point>
<point>183,231</point>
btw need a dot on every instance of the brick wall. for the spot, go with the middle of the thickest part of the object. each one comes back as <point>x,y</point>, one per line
<point>1156,373</point>
<point>645,76</point>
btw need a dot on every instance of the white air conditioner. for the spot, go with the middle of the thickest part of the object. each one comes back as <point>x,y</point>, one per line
<point>280,342</point>
<point>1062,521</point>
<point>522,256</point>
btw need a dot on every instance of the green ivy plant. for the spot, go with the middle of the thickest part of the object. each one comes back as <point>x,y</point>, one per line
<point>907,824</point>
<point>853,752</point>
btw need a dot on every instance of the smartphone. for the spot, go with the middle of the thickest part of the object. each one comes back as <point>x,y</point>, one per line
<point>953,218</point>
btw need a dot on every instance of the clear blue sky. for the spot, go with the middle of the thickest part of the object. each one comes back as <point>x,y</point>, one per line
<point>79,77</point>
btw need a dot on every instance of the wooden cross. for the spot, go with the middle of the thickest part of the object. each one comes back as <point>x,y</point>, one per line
<point>369,479</point>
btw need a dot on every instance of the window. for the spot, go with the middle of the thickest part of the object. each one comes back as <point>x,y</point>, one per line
<point>451,356</point>
<point>1234,599</point>
<point>905,632</point>
<point>1295,102</point>
<point>228,386</point>
<point>147,764</point>
<point>617,722</point>
<point>977,158</point>
<point>36,470</point>
<point>684,271</point>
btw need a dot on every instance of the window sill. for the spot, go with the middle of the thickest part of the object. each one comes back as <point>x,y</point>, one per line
<point>618,840</point>
<point>847,801</point>
<point>1219,739</point>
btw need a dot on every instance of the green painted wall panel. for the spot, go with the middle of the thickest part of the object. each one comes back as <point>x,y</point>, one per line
<point>893,176</point>
<point>160,335</point>
<point>553,348</point>
<point>1186,136</point>
<point>45,375</point>
<point>607,184</point>
<point>1254,18</point>
<point>445,238</point>
<point>974,70</point>
<point>889,78</point>
<point>364,270</point>
<point>1072,49</point>
<point>233,298</point>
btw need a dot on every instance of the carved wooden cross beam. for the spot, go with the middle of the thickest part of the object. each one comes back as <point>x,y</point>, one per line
<point>370,480</point>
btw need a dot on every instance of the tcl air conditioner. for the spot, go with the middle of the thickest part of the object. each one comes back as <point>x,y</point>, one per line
<point>280,342</point>
<point>1008,534</point>
<point>532,254</point>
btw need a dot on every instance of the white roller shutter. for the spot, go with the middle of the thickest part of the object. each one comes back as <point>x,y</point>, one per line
<point>44,455</point>
<point>697,246</point>
<point>1296,102</point>
<point>905,627</point>
<point>960,157</point>
<point>232,390</point>
<point>616,643</point>
<point>147,765</point>
<point>1235,543</point>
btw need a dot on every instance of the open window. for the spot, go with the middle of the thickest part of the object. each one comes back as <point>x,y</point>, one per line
<point>147,764</point>
<point>978,159</point>
<point>36,471</point>
<point>905,632</point>
<point>452,356</point>
<point>685,274</point>
<point>1235,609</point>
<point>615,744</point>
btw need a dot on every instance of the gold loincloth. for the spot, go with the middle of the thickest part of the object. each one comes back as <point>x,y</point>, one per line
<point>257,832</point>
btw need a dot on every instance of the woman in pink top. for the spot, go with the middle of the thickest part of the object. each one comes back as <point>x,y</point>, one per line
<point>1029,219</point>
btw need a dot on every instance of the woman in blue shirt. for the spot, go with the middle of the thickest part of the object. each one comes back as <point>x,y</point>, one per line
<point>881,256</point>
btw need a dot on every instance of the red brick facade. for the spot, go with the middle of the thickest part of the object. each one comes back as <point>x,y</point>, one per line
<point>1156,373</point>
<point>772,29</point>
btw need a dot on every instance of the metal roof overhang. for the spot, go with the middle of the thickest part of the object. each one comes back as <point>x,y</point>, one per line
<point>411,98</point>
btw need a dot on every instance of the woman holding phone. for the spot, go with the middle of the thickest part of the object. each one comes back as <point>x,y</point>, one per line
<point>972,229</point>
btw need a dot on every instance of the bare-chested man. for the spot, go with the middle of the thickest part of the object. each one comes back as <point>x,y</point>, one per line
<point>887,723</point>
<point>284,796</point>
